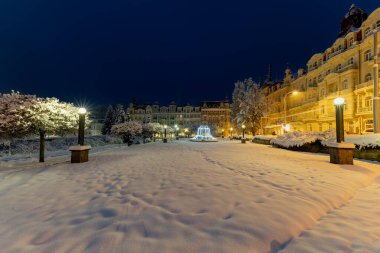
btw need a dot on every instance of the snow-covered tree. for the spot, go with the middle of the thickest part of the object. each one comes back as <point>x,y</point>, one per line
<point>237,100</point>
<point>157,129</point>
<point>147,130</point>
<point>248,105</point>
<point>52,117</point>
<point>119,114</point>
<point>127,130</point>
<point>108,121</point>
<point>16,112</point>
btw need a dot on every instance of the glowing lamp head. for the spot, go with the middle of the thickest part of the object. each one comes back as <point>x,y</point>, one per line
<point>176,126</point>
<point>339,101</point>
<point>82,110</point>
<point>295,92</point>
<point>243,126</point>
<point>165,126</point>
<point>231,129</point>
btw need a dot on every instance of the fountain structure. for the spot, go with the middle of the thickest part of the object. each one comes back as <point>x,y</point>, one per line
<point>204,135</point>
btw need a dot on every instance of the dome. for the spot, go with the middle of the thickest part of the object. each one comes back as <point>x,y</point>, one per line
<point>352,20</point>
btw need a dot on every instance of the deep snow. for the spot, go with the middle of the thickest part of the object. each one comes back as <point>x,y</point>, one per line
<point>191,197</point>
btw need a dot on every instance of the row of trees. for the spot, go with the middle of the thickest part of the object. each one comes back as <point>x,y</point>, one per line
<point>114,116</point>
<point>247,105</point>
<point>131,129</point>
<point>25,115</point>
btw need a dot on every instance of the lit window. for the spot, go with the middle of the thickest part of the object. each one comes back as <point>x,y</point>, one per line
<point>367,32</point>
<point>367,55</point>
<point>368,102</point>
<point>345,85</point>
<point>351,42</point>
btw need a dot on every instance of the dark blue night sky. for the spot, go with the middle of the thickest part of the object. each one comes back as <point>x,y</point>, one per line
<point>187,51</point>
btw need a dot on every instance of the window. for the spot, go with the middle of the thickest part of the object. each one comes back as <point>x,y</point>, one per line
<point>319,78</point>
<point>345,85</point>
<point>368,125</point>
<point>367,55</point>
<point>322,92</point>
<point>368,77</point>
<point>377,24</point>
<point>351,61</point>
<point>323,109</point>
<point>360,101</point>
<point>351,42</point>
<point>339,67</point>
<point>367,32</point>
<point>368,102</point>
<point>339,48</point>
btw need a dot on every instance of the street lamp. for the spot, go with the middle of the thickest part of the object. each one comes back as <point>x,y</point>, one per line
<point>243,140</point>
<point>231,129</point>
<point>82,118</point>
<point>339,105</point>
<point>176,132</point>
<point>186,132</point>
<point>295,92</point>
<point>165,140</point>
<point>376,98</point>
<point>79,153</point>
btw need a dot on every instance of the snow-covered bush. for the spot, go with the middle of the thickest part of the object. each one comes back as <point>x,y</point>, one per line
<point>265,137</point>
<point>298,138</point>
<point>127,130</point>
<point>368,141</point>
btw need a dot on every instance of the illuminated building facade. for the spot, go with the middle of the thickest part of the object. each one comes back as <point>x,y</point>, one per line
<point>343,70</point>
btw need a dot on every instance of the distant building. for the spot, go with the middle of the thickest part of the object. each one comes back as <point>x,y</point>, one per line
<point>216,114</point>
<point>184,116</point>
<point>343,70</point>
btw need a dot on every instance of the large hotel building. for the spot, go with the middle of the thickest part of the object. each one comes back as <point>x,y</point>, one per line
<point>304,101</point>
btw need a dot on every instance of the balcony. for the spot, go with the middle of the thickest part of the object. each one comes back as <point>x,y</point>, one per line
<point>346,68</point>
<point>365,110</point>
<point>368,84</point>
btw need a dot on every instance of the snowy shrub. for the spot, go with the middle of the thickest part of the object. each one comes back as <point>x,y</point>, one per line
<point>127,130</point>
<point>298,138</point>
<point>265,137</point>
<point>370,141</point>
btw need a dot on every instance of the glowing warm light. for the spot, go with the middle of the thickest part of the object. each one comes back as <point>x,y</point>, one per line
<point>176,126</point>
<point>82,110</point>
<point>286,127</point>
<point>243,126</point>
<point>295,92</point>
<point>231,129</point>
<point>165,126</point>
<point>339,101</point>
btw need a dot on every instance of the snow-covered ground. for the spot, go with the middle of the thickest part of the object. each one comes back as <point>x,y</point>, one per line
<point>192,197</point>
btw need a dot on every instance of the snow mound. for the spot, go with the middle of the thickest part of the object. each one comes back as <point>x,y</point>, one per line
<point>298,138</point>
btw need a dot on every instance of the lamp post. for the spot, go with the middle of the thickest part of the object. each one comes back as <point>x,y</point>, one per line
<point>176,132</point>
<point>285,102</point>
<point>165,140</point>
<point>339,105</point>
<point>243,140</point>
<point>186,133</point>
<point>79,153</point>
<point>82,118</point>
<point>231,129</point>
<point>340,152</point>
<point>376,98</point>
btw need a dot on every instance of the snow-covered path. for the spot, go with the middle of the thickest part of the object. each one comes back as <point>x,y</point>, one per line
<point>191,197</point>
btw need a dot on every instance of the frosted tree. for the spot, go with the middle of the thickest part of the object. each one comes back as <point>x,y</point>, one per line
<point>147,131</point>
<point>248,105</point>
<point>238,96</point>
<point>52,117</point>
<point>127,130</point>
<point>157,129</point>
<point>108,121</point>
<point>119,114</point>
<point>16,112</point>
<point>254,106</point>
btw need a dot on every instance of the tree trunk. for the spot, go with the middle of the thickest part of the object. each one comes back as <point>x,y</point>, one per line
<point>42,146</point>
